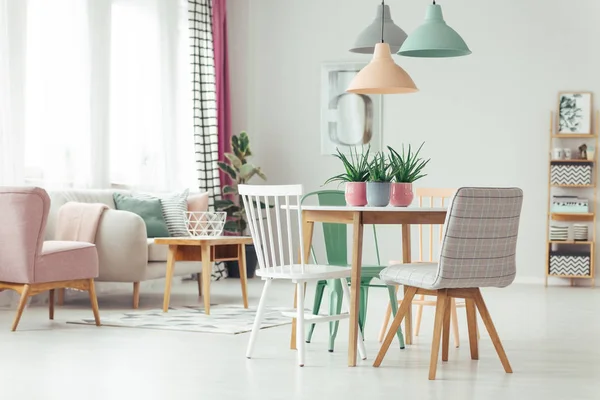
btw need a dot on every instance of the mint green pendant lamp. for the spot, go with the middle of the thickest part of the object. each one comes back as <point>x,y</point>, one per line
<point>434,39</point>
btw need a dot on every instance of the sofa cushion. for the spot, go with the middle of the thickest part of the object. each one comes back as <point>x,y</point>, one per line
<point>149,209</point>
<point>197,202</point>
<point>174,207</point>
<point>65,261</point>
<point>157,252</point>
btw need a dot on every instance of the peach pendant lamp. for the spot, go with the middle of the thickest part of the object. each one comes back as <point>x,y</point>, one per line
<point>382,75</point>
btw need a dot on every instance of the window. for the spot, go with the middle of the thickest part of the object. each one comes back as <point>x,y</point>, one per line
<point>145,138</point>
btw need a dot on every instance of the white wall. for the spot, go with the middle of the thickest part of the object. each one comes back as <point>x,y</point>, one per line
<point>484,117</point>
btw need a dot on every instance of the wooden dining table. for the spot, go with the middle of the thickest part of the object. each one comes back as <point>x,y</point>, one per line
<point>358,217</point>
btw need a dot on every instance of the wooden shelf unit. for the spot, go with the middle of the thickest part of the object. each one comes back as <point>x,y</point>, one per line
<point>589,217</point>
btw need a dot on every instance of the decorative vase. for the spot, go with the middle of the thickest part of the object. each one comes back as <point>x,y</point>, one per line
<point>378,194</point>
<point>401,194</point>
<point>356,194</point>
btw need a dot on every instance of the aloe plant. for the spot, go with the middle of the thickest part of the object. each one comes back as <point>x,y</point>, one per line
<point>379,169</point>
<point>240,171</point>
<point>407,167</point>
<point>356,166</point>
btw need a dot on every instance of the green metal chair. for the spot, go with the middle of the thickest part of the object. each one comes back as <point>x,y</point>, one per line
<point>336,248</point>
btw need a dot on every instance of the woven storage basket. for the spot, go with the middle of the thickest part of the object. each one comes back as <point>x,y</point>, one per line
<point>571,173</point>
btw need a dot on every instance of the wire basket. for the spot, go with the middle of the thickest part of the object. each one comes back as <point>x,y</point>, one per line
<point>205,223</point>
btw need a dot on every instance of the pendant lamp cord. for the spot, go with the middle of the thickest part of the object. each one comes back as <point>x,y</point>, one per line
<point>382,18</point>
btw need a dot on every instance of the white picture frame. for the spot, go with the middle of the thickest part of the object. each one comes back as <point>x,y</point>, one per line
<point>348,120</point>
<point>575,113</point>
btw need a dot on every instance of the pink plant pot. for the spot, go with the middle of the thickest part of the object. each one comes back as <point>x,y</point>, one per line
<point>401,194</point>
<point>356,194</point>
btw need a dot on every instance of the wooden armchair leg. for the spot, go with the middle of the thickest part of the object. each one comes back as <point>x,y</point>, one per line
<point>136,295</point>
<point>51,304</point>
<point>94,301</point>
<point>487,320</point>
<point>22,304</point>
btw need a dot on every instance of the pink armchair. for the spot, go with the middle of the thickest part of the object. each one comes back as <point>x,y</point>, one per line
<point>28,264</point>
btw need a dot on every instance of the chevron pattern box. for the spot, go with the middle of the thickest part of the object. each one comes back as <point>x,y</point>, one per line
<point>571,173</point>
<point>573,265</point>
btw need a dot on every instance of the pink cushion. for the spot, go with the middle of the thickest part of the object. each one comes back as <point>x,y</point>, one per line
<point>197,202</point>
<point>65,261</point>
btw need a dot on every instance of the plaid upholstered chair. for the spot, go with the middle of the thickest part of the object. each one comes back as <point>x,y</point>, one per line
<point>478,250</point>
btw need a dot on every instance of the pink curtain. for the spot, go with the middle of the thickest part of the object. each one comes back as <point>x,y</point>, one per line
<point>219,26</point>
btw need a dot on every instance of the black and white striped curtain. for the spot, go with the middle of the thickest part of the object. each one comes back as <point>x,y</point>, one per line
<point>205,98</point>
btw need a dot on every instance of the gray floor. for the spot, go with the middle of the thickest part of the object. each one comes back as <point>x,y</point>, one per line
<point>551,337</point>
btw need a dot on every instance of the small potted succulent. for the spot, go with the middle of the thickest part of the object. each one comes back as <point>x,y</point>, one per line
<point>380,176</point>
<point>355,177</point>
<point>406,169</point>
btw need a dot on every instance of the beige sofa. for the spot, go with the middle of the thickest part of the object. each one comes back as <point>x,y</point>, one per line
<point>125,253</point>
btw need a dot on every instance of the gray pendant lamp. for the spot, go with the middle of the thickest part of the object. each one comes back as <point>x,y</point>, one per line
<point>371,35</point>
<point>434,39</point>
<point>382,75</point>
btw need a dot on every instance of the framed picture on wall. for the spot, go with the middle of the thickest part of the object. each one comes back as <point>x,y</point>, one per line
<point>575,113</point>
<point>347,120</point>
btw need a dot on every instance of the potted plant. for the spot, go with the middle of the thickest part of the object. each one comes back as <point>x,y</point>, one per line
<point>380,176</point>
<point>355,177</point>
<point>240,171</point>
<point>406,168</point>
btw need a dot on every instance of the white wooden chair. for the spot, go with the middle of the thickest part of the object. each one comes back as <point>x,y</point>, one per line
<point>271,229</point>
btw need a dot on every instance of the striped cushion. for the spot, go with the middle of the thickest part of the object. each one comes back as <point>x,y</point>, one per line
<point>174,207</point>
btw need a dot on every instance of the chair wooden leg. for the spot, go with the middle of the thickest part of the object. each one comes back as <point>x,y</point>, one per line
<point>22,304</point>
<point>437,333</point>
<point>454,322</point>
<point>419,315</point>
<point>446,329</point>
<point>487,320</point>
<point>409,294</point>
<point>472,325</point>
<point>61,296</point>
<point>94,301</point>
<point>199,285</point>
<point>136,295</point>
<point>293,335</point>
<point>386,321</point>
<point>51,303</point>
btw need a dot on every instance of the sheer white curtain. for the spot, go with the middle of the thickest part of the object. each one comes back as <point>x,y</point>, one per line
<point>11,92</point>
<point>107,94</point>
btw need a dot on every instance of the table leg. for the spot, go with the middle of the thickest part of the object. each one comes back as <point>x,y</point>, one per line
<point>243,276</point>
<point>169,277</point>
<point>308,228</point>
<point>206,272</point>
<point>357,244</point>
<point>406,259</point>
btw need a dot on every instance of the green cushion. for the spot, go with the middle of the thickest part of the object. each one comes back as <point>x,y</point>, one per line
<point>149,209</point>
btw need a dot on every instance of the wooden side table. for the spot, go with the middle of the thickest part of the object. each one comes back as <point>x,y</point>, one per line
<point>206,250</point>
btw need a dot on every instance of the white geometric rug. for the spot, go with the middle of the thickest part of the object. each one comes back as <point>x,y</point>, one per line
<point>230,319</point>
